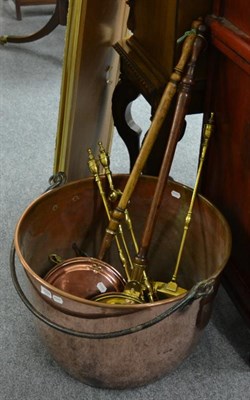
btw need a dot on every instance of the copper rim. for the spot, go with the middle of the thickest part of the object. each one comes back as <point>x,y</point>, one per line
<point>39,280</point>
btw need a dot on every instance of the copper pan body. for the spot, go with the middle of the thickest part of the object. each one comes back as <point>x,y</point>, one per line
<point>74,214</point>
<point>85,277</point>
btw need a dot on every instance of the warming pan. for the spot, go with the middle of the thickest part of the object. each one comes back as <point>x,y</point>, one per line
<point>120,346</point>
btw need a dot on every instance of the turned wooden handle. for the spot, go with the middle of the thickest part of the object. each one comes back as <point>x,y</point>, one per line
<point>149,141</point>
<point>181,110</point>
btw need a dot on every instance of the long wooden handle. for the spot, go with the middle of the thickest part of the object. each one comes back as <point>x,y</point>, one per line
<point>182,105</point>
<point>160,115</point>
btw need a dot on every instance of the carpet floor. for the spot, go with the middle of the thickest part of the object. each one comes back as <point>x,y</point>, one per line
<point>30,78</point>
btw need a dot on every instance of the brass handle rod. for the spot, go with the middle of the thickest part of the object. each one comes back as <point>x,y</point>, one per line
<point>115,194</point>
<point>160,115</point>
<point>105,162</point>
<point>208,130</point>
<point>93,167</point>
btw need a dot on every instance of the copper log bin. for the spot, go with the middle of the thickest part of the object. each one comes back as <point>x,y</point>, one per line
<point>74,214</point>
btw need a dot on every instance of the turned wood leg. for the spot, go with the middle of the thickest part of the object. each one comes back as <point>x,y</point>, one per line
<point>59,17</point>
<point>18,10</point>
<point>123,96</point>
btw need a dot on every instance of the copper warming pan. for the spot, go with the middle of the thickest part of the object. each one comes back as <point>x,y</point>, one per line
<point>120,346</point>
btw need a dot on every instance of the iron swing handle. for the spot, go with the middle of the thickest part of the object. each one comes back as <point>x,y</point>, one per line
<point>202,289</point>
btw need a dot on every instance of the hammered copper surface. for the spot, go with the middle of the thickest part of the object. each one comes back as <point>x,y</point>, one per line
<point>74,214</point>
<point>127,361</point>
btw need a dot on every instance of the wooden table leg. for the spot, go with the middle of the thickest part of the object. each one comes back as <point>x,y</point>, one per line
<point>59,17</point>
<point>18,10</point>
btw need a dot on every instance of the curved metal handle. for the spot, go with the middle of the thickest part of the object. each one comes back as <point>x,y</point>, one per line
<point>56,180</point>
<point>201,289</point>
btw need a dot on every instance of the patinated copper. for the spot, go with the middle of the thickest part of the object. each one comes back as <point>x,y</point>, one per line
<point>74,213</point>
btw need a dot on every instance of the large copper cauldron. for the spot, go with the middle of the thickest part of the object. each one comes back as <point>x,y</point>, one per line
<point>121,346</point>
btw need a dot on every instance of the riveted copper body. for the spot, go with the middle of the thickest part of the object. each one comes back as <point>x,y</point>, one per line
<point>74,214</point>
